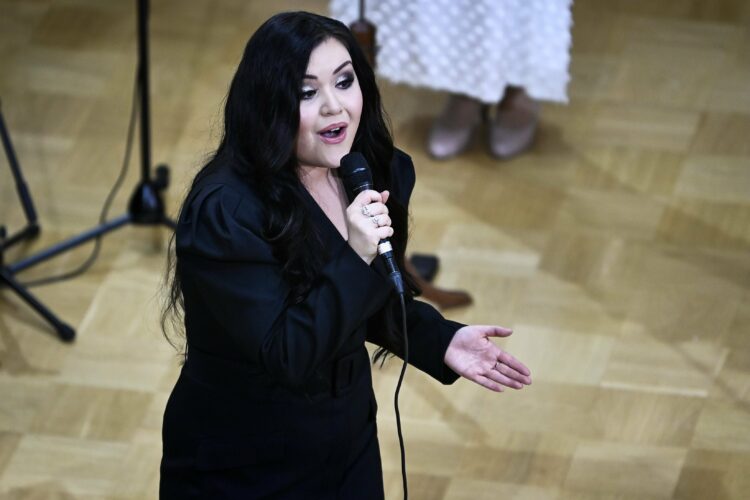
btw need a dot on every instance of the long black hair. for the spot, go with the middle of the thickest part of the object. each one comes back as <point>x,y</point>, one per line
<point>261,122</point>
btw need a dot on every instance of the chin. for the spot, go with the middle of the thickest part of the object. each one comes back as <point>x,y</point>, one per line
<point>333,160</point>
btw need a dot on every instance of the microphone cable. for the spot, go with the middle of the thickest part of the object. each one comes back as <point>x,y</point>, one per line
<point>356,176</point>
<point>395,397</point>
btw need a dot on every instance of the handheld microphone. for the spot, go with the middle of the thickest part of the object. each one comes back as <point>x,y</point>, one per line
<point>357,178</point>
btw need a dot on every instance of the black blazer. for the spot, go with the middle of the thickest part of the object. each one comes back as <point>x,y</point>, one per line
<point>276,399</point>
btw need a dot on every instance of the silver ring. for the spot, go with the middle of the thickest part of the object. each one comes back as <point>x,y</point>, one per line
<point>376,220</point>
<point>365,211</point>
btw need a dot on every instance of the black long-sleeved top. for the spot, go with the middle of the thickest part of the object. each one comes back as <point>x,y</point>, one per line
<point>276,398</point>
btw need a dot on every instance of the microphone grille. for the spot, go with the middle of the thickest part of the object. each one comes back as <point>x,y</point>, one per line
<point>355,173</point>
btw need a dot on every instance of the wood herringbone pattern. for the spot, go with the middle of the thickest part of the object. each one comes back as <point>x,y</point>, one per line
<point>618,249</point>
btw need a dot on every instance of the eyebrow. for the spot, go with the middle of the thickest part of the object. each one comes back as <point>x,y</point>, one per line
<point>313,77</point>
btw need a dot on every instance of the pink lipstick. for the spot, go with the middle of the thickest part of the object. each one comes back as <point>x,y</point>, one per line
<point>333,134</point>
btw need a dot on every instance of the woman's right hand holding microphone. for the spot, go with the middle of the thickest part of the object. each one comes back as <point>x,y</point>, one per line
<point>367,223</point>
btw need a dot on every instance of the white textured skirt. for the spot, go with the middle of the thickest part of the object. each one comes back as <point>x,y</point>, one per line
<point>472,47</point>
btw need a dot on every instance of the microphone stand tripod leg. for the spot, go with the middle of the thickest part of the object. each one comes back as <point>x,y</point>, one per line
<point>64,331</point>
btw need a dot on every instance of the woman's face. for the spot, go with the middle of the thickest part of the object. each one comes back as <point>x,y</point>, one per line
<point>330,107</point>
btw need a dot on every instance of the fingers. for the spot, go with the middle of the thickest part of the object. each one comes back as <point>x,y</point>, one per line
<point>366,197</point>
<point>381,220</point>
<point>501,376</point>
<point>375,208</point>
<point>368,222</point>
<point>374,211</point>
<point>489,384</point>
<point>371,196</point>
<point>508,377</point>
<point>512,374</point>
<point>501,379</point>
<point>377,223</point>
<point>506,359</point>
<point>384,232</point>
<point>498,331</point>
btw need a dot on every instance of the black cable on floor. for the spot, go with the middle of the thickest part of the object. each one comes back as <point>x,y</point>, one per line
<point>105,208</point>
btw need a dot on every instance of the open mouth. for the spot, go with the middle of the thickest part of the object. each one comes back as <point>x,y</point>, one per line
<point>334,132</point>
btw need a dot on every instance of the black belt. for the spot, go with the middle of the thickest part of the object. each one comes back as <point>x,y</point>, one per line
<point>336,379</point>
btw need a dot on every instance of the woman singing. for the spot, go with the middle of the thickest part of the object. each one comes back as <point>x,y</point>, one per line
<point>277,277</point>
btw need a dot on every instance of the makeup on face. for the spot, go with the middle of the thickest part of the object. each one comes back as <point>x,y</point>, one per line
<point>330,106</point>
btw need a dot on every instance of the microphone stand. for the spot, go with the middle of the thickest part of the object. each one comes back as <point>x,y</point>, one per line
<point>145,206</point>
<point>29,231</point>
<point>366,34</point>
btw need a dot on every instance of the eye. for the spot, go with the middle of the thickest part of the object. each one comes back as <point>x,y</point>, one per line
<point>307,93</point>
<point>346,81</point>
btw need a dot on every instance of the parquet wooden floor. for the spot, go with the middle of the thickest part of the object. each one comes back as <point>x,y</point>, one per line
<point>618,249</point>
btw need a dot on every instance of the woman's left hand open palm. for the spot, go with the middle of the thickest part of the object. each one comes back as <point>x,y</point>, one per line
<point>474,356</point>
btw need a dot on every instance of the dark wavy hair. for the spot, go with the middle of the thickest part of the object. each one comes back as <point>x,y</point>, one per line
<point>261,122</point>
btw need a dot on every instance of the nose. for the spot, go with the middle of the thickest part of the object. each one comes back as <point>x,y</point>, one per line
<point>331,105</point>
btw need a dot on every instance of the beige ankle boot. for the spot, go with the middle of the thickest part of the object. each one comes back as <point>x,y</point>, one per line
<point>513,128</point>
<point>452,131</point>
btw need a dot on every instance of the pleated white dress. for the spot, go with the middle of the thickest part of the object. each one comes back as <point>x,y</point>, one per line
<point>472,47</point>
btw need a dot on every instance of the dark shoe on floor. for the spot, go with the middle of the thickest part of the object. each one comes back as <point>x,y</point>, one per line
<point>426,265</point>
